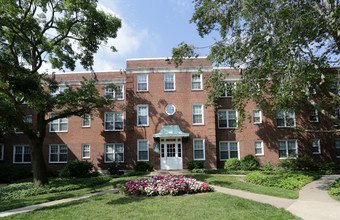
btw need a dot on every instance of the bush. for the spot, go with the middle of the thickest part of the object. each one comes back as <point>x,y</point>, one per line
<point>334,188</point>
<point>195,164</point>
<point>11,172</point>
<point>249,162</point>
<point>113,169</point>
<point>220,171</point>
<point>268,167</point>
<point>135,173</point>
<point>77,168</point>
<point>303,162</point>
<point>143,166</point>
<point>232,164</point>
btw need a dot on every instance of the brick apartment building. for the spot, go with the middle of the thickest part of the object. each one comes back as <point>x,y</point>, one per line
<point>159,116</point>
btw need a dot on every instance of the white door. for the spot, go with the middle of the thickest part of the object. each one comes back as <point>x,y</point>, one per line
<point>171,154</point>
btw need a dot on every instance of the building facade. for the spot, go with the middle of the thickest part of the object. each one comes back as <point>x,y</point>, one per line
<point>159,116</point>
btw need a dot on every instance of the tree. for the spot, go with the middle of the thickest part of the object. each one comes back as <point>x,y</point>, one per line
<point>31,32</point>
<point>283,49</point>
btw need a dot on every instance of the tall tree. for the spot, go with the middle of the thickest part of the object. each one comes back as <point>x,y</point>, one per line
<point>31,32</point>
<point>283,48</point>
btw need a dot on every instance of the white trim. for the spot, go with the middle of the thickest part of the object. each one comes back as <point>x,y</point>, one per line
<point>286,143</point>
<point>23,154</point>
<point>58,122</point>
<point>260,113</point>
<point>147,115</point>
<point>82,151</point>
<point>228,142</point>
<point>82,121</point>
<point>225,91</point>
<point>173,107</point>
<point>285,112</point>
<point>201,81</point>
<point>114,152</point>
<point>114,121</point>
<point>193,148</point>
<point>262,150</point>
<point>316,116</point>
<point>58,153</point>
<point>2,151</point>
<point>147,83</point>
<point>113,92</point>
<point>27,119</point>
<point>227,118</point>
<point>147,143</point>
<point>174,82</point>
<point>319,146</point>
<point>192,114</point>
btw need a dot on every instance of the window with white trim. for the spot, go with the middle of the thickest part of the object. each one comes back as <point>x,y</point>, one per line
<point>142,150</point>
<point>113,121</point>
<point>316,146</point>
<point>199,149</point>
<point>285,118</point>
<point>257,116</point>
<point>58,153</point>
<point>21,154</point>
<point>169,82</point>
<point>170,109</point>
<point>288,149</point>
<point>337,147</point>
<point>59,90</point>
<point>229,89</point>
<point>196,81</point>
<point>227,118</point>
<point>2,151</point>
<point>85,151</point>
<point>313,115</point>
<point>142,115</point>
<point>114,152</point>
<point>86,121</point>
<point>27,120</point>
<point>116,93</point>
<point>58,125</point>
<point>197,114</point>
<point>142,82</point>
<point>228,149</point>
<point>259,148</point>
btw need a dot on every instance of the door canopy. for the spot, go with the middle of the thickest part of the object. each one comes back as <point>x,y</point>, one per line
<point>170,131</point>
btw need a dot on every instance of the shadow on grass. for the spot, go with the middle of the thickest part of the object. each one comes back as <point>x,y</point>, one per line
<point>122,200</point>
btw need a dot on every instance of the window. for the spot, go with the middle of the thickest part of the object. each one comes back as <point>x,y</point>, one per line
<point>58,153</point>
<point>58,125</point>
<point>142,115</point>
<point>114,121</point>
<point>288,149</point>
<point>142,150</point>
<point>21,154</point>
<point>196,81</point>
<point>228,149</point>
<point>85,148</point>
<point>227,118</point>
<point>170,109</point>
<point>257,116</point>
<point>337,147</point>
<point>199,149</point>
<point>114,153</point>
<point>86,121</point>
<point>316,147</point>
<point>117,93</point>
<point>142,82</point>
<point>336,112</point>
<point>59,90</point>
<point>169,82</point>
<point>197,114</point>
<point>259,147</point>
<point>313,115</point>
<point>285,118</point>
<point>2,152</point>
<point>28,120</point>
<point>229,89</point>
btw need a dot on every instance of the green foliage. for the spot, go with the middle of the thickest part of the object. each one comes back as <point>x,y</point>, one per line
<point>135,173</point>
<point>268,167</point>
<point>220,171</point>
<point>250,162</point>
<point>10,172</point>
<point>113,168</point>
<point>334,188</point>
<point>195,164</point>
<point>143,166</point>
<point>77,168</point>
<point>232,164</point>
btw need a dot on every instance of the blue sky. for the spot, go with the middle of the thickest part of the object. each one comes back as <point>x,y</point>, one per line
<point>150,29</point>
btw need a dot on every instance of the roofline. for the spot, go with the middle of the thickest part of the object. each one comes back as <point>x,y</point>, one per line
<point>101,71</point>
<point>162,58</point>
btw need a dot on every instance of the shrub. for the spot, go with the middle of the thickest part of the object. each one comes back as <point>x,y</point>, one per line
<point>195,164</point>
<point>303,162</point>
<point>143,166</point>
<point>249,162</point>
<point>76,168</point>
<point>334,188</point>
<point>232,164</point>
<point>135,173</point>
<point>268,167</point>
<point>113,169</point>
<point>11,172</point>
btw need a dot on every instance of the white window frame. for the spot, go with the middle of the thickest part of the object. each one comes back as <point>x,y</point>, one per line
<point>114,152</point>
<point>2,151</point>
<point>225,93</point>
<point>57,121</point>
<point>262,152</point>
<point>28,120</point>
<point>227,115</point>
<point>336,140</point>
<point>138,150</point>
<point>260,114</point>
<point>286,143</point>
<point>84,118</point>
<point>174,81</point>
<point>59,90</point>
<point>22,156</point>
<point>228,142</point>
<point>170,105</point>
<point>193,147</point>
<point>85,151</point>
<point>114,121</point>
<point>319,146</point>
<point>316,115</point>
<point>285,114</point>
<point>147,82</point>
<point>58,153</point>
<point>192,113</point>
<point>113,92</point>
<point>147,115</point>
<point>197,81</point>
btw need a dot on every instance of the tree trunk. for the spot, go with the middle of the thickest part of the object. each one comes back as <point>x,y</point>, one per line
<point>38,163</point>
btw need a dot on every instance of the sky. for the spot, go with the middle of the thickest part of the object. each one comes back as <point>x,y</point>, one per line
<point>150,29</point>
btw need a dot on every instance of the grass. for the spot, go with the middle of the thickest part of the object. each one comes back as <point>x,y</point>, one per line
<point>235,182</point>
<point>199,206</point>
<point>334,190</point>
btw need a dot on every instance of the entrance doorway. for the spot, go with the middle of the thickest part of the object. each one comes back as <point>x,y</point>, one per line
<point>171,154</point>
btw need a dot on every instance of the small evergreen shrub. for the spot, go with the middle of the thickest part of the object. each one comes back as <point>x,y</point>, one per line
<point>268,167</point>
<point>143,166</point>
<point>195,164</point>
<point>113,169</point>
<point>303,162</point>
<point>76,168</point>
<point>334,188</point>
<point>232,164</point>
<point>135,173</point>
<point>11,172</point>
<point>250,162</point>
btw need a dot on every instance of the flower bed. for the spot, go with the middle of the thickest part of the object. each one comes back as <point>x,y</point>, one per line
<point>165,185</point>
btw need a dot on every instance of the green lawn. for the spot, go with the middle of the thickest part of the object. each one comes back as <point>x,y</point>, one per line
<point>198,206</point>
<point>334,190</point>
<point>236,182</point>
